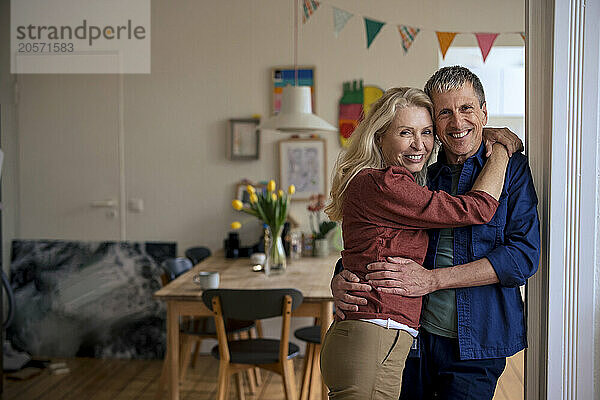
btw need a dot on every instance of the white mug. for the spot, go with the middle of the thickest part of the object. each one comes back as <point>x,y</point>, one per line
<point>258,258</point>
<point>207,279</point>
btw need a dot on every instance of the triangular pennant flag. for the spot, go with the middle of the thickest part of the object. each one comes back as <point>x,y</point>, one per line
<point>309,7</point>
<point>445,39</point>
<point>373,27</point>
<point>408,35</point>
<point>340,18</point>
<point>523,36</point>
<point>486,40</point>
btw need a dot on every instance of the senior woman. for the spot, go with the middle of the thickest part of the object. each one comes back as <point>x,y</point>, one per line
<point>378,192</point>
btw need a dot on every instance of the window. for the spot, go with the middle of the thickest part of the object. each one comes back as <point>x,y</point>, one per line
<point>503,79</point>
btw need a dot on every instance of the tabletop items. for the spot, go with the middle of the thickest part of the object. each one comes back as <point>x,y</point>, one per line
<point>294,245</point>
<point>279,243</point>
<point>271,207</point>
<point>206,279</point>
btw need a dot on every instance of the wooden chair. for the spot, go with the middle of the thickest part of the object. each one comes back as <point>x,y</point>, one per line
<point>239,355</point>
<point>312,336</point>
<point>194,330</point>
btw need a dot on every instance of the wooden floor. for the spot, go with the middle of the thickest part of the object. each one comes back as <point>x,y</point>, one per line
<point>93,379</point>
<point>511,383</point>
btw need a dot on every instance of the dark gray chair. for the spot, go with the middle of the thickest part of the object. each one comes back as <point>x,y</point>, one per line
<point>275,355</point>
<point>193,330</point>
<point>173,267</point>
<point>197,254</point>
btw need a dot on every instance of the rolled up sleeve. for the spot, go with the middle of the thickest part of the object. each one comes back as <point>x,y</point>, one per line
<point>518,257</point>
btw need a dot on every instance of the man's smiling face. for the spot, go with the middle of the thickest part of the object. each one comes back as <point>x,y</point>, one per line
<point>459,122</point>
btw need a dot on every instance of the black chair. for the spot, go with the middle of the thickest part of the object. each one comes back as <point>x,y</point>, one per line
<point>275,355</point>
<point>194,330</point>
<point>173,267</point>
<point>197,254</point>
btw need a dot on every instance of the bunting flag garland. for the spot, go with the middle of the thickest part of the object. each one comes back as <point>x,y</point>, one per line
<point>340,18</point>
<point>408,35</point>
<point>373,27</point>
<point>485,41</point>
<point>309,7</point>
<point>445,39</point>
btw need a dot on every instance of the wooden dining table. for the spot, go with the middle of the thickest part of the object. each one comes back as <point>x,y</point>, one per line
<point>310,275</point>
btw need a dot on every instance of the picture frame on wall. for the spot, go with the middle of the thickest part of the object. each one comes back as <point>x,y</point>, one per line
<point>303,163</point>
<point>283,76</point>
<point>242,194</point>
<point>244,139</point>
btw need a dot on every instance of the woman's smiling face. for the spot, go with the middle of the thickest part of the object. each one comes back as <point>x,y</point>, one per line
<point>408,141</point>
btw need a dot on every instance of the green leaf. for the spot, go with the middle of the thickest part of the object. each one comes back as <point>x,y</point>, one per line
<point>324,228</point>
<point>260,211</point>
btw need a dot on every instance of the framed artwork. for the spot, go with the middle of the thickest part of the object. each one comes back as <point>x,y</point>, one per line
<point>242,194</point>
<point>283,76</point>
<point>302,163</point>
<point>244,139</point>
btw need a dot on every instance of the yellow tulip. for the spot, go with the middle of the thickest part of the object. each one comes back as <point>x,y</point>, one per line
<point>274,196</point>
<point>236,225</point>
<point>253,198</point>
<point>280,193</point>
<point>250,189</point>
<point>271,186</point>
<point>292,189</point>
<point>238,205</point>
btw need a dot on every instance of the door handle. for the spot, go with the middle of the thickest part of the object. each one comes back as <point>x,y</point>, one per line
<point>108,203</point>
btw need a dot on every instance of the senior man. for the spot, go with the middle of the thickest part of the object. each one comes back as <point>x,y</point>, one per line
<point>472,316</point>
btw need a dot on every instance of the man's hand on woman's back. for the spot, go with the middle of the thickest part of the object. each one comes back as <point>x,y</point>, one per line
<point>343,283</point>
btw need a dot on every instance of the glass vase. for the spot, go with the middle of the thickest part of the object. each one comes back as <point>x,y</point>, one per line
<point>275,262</point>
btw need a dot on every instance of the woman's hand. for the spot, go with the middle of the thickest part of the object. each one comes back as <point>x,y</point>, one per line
<point>401,276</point>
<point>503,136</point>
<point>343,283</point>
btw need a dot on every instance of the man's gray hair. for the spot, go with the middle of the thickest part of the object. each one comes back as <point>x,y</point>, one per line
<point>453,78</point>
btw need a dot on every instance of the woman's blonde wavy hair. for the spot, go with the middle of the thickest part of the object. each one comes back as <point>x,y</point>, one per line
<point>363,151</point>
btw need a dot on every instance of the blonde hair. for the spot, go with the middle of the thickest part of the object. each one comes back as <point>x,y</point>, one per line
<point>363,151</point>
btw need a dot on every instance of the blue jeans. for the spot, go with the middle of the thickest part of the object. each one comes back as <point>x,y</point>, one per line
<point>439,373</point>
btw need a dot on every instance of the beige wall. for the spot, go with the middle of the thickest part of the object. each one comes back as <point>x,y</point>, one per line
<point>210,62</point>
<point>8,142</point>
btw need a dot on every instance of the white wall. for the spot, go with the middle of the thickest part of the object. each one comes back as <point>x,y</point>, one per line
<point>211,62</point>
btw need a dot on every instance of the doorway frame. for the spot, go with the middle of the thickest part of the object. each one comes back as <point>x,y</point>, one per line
<point>563,109</point>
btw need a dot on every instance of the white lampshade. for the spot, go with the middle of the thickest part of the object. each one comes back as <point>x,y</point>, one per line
<point>296,113</point>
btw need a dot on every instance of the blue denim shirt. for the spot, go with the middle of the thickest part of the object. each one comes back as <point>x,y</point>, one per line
<point>491,319</point>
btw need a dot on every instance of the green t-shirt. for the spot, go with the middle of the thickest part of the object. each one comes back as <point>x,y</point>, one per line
<point>439,315</point>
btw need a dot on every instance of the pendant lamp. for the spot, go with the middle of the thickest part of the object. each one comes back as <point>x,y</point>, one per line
<point>296,113</point>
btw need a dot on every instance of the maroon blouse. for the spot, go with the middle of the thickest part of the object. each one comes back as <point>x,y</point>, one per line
<point>386,214</point>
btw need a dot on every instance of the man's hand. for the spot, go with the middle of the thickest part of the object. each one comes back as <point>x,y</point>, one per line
<point>503,136</point>
<point>341,284</point>
<point>401,276</point>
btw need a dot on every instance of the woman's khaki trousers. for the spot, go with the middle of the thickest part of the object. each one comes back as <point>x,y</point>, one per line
<point>362,361</point>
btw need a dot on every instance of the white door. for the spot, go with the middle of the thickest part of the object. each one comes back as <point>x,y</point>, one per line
<point>68,128</point>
